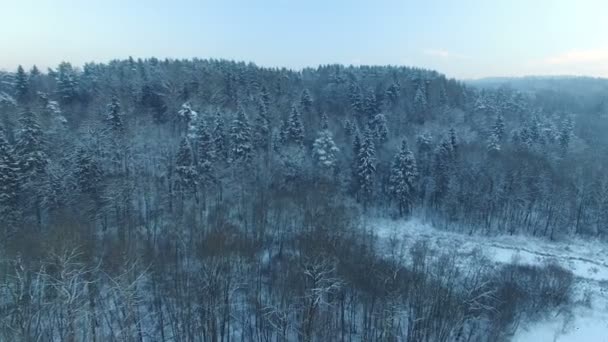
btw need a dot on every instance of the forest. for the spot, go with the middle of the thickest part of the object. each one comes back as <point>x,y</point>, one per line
<point>216,200</point>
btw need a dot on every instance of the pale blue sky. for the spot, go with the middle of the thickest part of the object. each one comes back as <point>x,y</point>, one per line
<point>461,38</point>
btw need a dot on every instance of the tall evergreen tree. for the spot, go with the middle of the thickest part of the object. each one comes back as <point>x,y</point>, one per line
<point>306,101</point>
<point>114,116</point>
<point>66,83</point>
<point>9,181</point>
<point>241,148</point>
<point>404,173</point>
<point>220,139</point>
<point>21,85</point>
<point>293,132</point>
<point>324,151</point>
<point>185,168</point>
<point>30,147</point>
<point>205,153</point>
<point>262,129</point>
<point>366,167</point>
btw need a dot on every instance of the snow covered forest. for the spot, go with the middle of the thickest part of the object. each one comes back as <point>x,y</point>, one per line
<point>213,200</point>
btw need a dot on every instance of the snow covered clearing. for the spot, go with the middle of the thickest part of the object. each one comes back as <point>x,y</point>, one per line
<point>587,260</point>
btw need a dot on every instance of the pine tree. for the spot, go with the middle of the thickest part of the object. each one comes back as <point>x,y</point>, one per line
<point>355,98</point>
<point>366,167</point>
<point>324,152</point>
<point>499,128</point>
<point>392,93</point>
<point>21,85</point>
<point>88,174</point>
<point>294,129</point>
<point>453,142</point>
<point>30,147</point>
<point>262,127</point>
<point>371,105</point>
<point>381,128</point>
<point>349,128</point>
<point>306,101</point>
<point>443,167</point>
<point>565,134</point>
<point>185,168</point>
<point>324,121</point>
<point>241,149</point>
<point>204,152</point>
<point>66,83</point>
<point>402,180</point>
<point>187,118</point>
<point>9,181</point>
<point>114,116</point>
<point>493,144</point>
<point>220,139</point>
<point>420,101</point>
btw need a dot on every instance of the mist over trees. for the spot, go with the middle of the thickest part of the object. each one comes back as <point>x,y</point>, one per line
<point>213,200</point>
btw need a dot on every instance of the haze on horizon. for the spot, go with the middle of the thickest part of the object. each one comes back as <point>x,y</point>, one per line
<point>464,39</point>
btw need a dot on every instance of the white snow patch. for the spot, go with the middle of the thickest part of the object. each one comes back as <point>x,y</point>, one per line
<point>588,261</point>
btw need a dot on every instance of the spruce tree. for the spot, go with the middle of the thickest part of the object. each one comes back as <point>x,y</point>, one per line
<point>185,168</point>
<point>294,133</point>
<point>306,101</point>
<point>220,139</point>
<point>114,116</point>
<point>30,147</point>
<point>402,180</point>
<point>9,180</point>
<point>241,148</point>
<point>366,167</point>
<point>324,152</point>
<point>262,127</point>
<point>205,153</point>
<point>21,85</point>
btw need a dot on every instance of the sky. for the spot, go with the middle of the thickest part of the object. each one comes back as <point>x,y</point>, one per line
<point>460,38</point>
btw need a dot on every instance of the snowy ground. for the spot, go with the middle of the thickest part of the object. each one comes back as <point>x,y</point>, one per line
<point>587,260</point>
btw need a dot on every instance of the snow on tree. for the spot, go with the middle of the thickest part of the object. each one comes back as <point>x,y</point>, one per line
<point>220,139</point>
<point>66,83</point>
<point>188,117</point>
<point>88,173</point>
<point>30,146</point>
<point>306,101</point>
<point>392,92</point>
<point>565,134</point>
<point>185,168</point>
<point>9,179</point>
<point>499,128</point>
<point>241,148</point>
<point>324,151</point>
<point>493,146</point>
<point>293,130</point>
<point>402,179</point>
<point>371,105</point>
<point>21,84</point>
<point>114,116</point>
<point>380,128</point>
<point>262,127</point>
<point>324,121</point>
<point>204,152</point>
<point>349,128</point>
<point>420,100</point>
<point>366,167</point>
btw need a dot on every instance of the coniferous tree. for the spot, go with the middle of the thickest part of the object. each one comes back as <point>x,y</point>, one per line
<point>381,128</point>
<point>262,127</point>
<point>88,174</point>
<point>185,168</point>
<point>404,173</point>
<point>220,139</point>
<point>21,85</point>
<point>366,167</point>
<point>565,134</point>
<point>66,83</point>
<point>306,101</point>
<point>205,153</point>
<point>241,148</point>
<point>114,116</point>
<point>499,128</point>
<point>9,182</point>
<point>294,129</point>
<point>30,147</point>
<point>324,151</point>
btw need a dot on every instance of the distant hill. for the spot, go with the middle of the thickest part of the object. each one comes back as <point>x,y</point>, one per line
<point>573,85</point>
